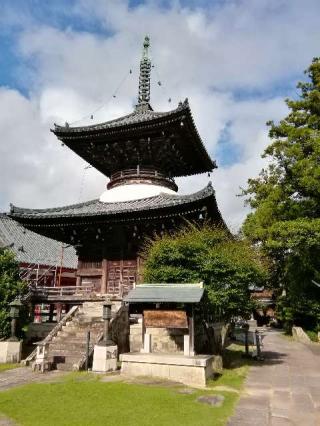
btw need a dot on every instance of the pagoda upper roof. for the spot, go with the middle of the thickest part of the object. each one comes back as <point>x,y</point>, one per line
<point>169,141</point>
<point>166,141</point>
<point>141,114</point>
<point>96,208</point>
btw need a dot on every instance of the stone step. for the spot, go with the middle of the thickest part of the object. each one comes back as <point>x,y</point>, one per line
<point>82,329</point>
<point>61,346</point>
<point>71,341</point>
<point>66,352</point>
<point>56,359</point>
<point>83,326</point>
<point>77,334</point>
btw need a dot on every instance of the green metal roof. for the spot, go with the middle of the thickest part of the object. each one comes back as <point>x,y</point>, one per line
<point>166,293</point>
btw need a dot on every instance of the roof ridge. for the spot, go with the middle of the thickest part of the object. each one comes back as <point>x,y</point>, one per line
<point>143,114</point>
<point>14,208</point>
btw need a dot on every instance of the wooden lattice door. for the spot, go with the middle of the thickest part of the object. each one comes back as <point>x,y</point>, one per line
<point>121,275</point>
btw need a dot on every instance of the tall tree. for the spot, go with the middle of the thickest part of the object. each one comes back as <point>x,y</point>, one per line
<point>286,202</point>
<point>10,287</point>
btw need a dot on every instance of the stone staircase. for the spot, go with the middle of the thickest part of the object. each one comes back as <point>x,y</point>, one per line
<point>67,349</point>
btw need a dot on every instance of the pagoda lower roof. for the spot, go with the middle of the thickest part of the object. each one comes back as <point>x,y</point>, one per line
<point>168,141</point>
<point>98,209</point>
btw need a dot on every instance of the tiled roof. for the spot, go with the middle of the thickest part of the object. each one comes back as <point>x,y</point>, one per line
<point>142,113</point>
<point>174,293</point>
<point>97,208</point>
<point>169,141</point>
<point>30,247</point>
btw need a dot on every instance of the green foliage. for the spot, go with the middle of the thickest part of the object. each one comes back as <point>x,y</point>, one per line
<point>312,335</point>
<point>10,287</point>
<point>227,266</point>
<point>286,201</point>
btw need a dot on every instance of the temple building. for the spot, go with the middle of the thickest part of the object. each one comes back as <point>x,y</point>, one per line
<point>141,154</point>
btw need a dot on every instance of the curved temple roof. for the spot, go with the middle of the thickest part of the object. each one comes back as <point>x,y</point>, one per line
<point>98,208</point>
<point>166,293</point>
<point>169,141</point>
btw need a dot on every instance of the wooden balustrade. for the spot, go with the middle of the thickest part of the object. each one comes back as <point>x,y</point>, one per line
<point>60,292</point>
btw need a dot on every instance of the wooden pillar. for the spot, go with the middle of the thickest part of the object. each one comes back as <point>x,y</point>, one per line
<point>59,311</point>
<point>104,276</point>
<point>78,282</point>
<point>51,310</point>
<point>143,329</point>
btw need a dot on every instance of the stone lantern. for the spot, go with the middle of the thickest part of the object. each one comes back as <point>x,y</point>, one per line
<point>15,307</point>
<point>106,352</point>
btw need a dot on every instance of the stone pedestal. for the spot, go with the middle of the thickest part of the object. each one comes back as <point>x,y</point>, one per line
<point>10,352</point>
<point>105,358</point>
<point>192,370</point>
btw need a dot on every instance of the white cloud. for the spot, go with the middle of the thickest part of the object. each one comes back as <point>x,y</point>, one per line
<point>205,55</point>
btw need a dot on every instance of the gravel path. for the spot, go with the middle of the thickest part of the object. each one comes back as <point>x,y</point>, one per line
<point>23,375</point>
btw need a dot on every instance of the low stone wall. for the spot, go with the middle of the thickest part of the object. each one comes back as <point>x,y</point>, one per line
<point>299,335</point>
<point>38,331</point>
<point>119,329</point>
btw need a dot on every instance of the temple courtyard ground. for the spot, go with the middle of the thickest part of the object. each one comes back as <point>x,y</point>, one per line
<point>282,390</point>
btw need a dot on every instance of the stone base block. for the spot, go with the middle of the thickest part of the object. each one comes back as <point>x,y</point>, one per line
<point>192,371</point>
<point>10,352</point>
<point>104,358</point>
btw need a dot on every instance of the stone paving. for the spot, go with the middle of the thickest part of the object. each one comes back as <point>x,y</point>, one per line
<point>24,375</point>
<point>284,389</point>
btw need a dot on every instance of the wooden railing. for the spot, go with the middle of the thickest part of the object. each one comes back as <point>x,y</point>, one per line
<point>47,292</point>
<point>143,172</point>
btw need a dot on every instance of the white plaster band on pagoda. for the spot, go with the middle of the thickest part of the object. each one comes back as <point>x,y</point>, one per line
<point>133,191</point>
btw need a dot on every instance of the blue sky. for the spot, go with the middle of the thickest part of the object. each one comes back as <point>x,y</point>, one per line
<point>235,60</point>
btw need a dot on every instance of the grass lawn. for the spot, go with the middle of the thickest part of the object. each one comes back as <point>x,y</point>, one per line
<point>82,399</point>
<point>4,367</point>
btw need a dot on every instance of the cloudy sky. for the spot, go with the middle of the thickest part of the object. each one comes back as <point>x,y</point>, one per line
<point>62,60</point>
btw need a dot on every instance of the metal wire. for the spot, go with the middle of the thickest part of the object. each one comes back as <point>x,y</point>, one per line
<point>107,101</point>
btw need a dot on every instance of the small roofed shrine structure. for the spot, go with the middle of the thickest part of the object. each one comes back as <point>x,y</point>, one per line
<point>162,341</point>
<point>141,154</point>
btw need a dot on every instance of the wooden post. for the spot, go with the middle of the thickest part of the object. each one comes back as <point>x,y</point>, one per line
<point>87,349</point>
<point>246,339</point>
<point>143,330</point>
<point>104,276</point>
<point>51,309</point>
<point>78,282</point>
<point>59,311</point>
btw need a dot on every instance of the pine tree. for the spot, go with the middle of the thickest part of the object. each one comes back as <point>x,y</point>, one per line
<point>286,202</point>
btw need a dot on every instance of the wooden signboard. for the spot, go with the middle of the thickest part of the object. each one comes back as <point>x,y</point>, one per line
<point>165,319</point>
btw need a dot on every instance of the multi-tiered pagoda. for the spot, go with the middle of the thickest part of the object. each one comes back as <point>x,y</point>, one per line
<point>141,154</point>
